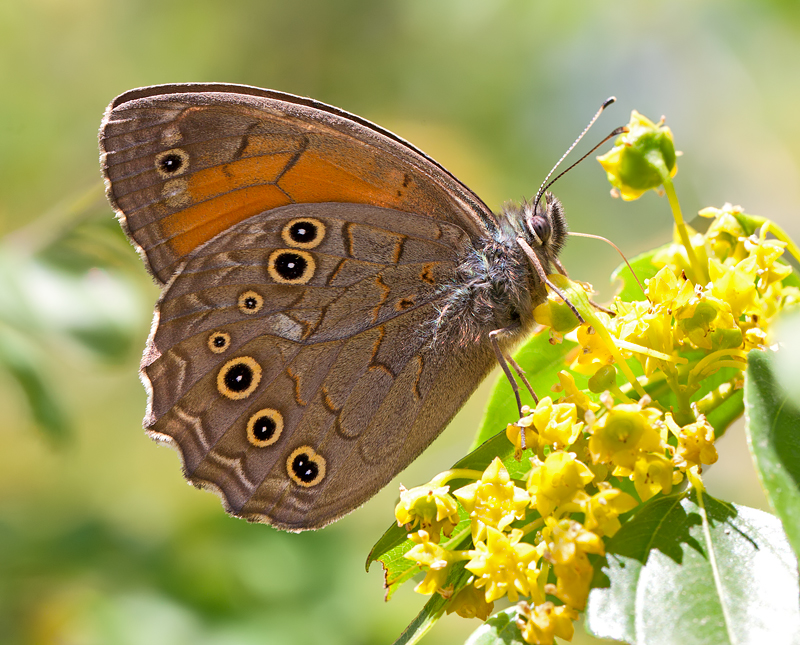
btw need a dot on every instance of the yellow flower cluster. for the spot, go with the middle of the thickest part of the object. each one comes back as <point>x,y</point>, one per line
<point>532,540</point>
<point>685,332</point>
<point>535,538</point>
<point>513,558</point>
<point>514,561</point>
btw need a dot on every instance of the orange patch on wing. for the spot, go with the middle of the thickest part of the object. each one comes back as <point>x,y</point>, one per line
<point>404,303</point>
<point>385,291</point>
<point>315,179</point>
<point>243,173</point>
<point>426,275</point>
<point>191,227</point>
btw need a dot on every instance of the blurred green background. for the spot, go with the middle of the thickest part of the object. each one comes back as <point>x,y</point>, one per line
<point>101,541</point>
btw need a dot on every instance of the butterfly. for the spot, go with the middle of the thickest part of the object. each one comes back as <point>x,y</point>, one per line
<point>330,295</point>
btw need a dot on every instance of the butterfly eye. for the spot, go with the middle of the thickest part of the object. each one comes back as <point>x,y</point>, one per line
<point>172,163</point>
<point>540,228</point>
<point>306,467</point>
<point>219,341</point>
<point>239,377</point>
<point>291,266</point>
<point>304,233</point>
<point>265,427</point>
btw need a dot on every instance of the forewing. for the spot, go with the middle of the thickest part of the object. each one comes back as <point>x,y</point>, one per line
<point>185,162</point>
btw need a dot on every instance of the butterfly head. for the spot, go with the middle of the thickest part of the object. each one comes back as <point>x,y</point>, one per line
<point>542,225</point>
<point>545,224</point>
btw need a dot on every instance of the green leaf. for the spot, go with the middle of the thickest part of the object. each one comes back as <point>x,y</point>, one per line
<point>434,608</point>
<point>773,434</point>
<point>643,266</point>
<point>690,569</point>
<point>21,361</point>
<point>497,446</point>
<point>398,569</point>
<point>393,537</point>
<point>541,361</point>
<point>500,628</point>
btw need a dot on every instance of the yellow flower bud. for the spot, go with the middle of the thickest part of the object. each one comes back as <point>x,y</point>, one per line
<point>504,565</point>
<point>602,509</point>
<point>622,433</point>
<point>437,559</point>
<point>470,602</point>
<point>557,480</point>
<point>540,625</point>
<point>432,508</point>
<point>652,474</point>
<point>493,501</point>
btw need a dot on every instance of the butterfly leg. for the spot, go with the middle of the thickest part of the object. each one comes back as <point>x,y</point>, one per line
<point>505,361</point>
<point>521,373</point>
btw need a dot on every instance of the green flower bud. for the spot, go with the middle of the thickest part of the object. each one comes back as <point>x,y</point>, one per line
<point>642,158</point>
<point>604,379</point>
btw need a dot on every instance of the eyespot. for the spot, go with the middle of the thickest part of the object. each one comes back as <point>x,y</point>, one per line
<point>239,377</point>
<point>306,468</point>
<point>250,302</point>
<point>219,341</point>
<point>291,266</point>
<point>303,233</point>
<point>265,427</point>
<point>172,163</point>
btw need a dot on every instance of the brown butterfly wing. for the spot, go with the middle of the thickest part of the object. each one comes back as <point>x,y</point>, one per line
<point>186,162</point>
<point>338,360</point>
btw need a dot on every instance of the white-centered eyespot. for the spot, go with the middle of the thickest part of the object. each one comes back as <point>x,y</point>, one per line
<point>172,163</point>
<point>219,341</point>
<point>306,467</point>
<point>239,377</point>
<point>250,302</point>
<point>291,266</point>
<point>303,233</point>
<point>264,427</point>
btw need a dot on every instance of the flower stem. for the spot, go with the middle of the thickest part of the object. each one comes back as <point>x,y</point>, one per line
<point>611,345</point>
<point>780,234</point>
<point>716,397</point>
<point>533,526</point>
<point>701,275</point>
<point>640,349</point>
<point>456,473</point>
<point>698,370</point>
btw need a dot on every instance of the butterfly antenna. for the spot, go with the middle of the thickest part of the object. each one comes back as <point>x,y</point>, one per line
<point>546,185</point>
<point>607,241</point>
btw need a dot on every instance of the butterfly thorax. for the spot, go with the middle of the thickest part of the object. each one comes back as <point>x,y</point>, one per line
<point>495,285</point>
